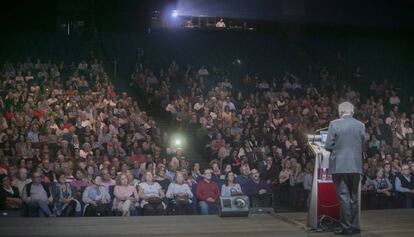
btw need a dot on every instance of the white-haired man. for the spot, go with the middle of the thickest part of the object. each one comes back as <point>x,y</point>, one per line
<point>345,141</point>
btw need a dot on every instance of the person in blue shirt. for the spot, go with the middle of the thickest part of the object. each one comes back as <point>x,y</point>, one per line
<point>243,178</point>
<point>404,184</point>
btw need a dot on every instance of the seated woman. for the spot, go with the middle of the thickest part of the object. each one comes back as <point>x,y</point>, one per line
<point>383,189</point>
<point>80,183</point>
<point>9,195</point>
<point>284,183</point>
<point>296,190</point>
<point>64,201</point>
<point>230,188</point>
<point>151,194</point>
<point>195,171</point>
<point>227,169</point>
<point>126,196</point>
<point>96,198</point>
<point>161,178</point>
<point>180,196</point>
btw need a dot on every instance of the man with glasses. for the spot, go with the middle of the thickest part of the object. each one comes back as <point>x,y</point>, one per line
<point>37,198</point>
<point>404,185</point>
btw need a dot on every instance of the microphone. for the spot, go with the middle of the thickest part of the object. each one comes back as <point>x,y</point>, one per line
<point>321,129</point>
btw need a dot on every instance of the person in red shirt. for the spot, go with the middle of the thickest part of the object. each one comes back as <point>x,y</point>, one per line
<point>207,194</point>
<point>9,115</point>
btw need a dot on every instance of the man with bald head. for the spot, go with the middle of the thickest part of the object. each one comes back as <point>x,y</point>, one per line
<point>37,197</point>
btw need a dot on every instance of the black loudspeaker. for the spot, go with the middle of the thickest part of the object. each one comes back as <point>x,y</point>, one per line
<point>234,206</point>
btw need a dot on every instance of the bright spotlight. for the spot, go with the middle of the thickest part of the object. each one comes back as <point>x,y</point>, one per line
<point>174,13</point>
<point>177,142</point>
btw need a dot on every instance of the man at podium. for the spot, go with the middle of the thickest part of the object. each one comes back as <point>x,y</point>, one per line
<point>345,141</point>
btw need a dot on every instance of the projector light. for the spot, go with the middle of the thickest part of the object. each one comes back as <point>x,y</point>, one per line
<point>174,13</point>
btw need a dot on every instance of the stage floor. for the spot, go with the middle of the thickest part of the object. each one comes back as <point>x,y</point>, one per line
<point>389,223</point>
<point>374,223</point>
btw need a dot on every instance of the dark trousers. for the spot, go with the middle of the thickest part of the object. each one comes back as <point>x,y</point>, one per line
<point>281,194</point>
<point>382,201</point>
<point>69,209</point>
<point>408,200</point>
<point>100,210</point>
<point>297,197</point>
<point>38,209</point>
<point>347,192</point>
<point>181,208</point>
<point>264,200</point>
<point>153,209</point>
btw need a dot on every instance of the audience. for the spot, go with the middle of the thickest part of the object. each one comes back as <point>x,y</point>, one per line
<point>152,196</point>
<point>96,198</point>
<point>9,195</point>
<point>404,185</point>
<point>383,188</point>
<point>208,194</point>
<point>258,191</point>
<point>65,201</point>
<point>64,124</point>
<point>126,196</point>
<point>180,196</point>
<point>230,188</point>
<point>21,180</point>
<point>37,197</point>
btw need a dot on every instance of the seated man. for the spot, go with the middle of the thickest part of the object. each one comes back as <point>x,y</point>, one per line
<point>37,197</point>
<point>258,191</point>
<point>243,178</point>
<point>404,184</point>
<point>207,194</point>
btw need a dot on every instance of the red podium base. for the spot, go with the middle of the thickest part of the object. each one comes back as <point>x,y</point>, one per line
<point>327,201</point>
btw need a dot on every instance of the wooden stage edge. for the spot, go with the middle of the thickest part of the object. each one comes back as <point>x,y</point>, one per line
<point>374,223</point>
<point>390,223</point>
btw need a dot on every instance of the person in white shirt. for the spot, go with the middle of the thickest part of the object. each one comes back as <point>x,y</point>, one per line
<point>83,65</point>
<point>221,24</point>
<point>263,85</point>
<point>203,71</point>
<point>406,129</point>
<point>37,197</point>
<point>230,188</point>
<point>152,196</point>
<point>226,84</point>
<point>180,196</point>
<point>21,180</point>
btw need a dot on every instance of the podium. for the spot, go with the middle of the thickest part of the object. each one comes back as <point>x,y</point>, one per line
<point>323,199</point>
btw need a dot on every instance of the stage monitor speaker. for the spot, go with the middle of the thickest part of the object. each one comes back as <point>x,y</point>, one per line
<point>234,206</point>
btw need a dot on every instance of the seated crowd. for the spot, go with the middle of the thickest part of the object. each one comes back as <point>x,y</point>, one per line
<point>70,145</point>
<point>250,125</point>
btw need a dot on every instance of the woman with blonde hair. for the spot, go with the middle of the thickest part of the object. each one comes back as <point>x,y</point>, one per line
<point>126,196</point>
